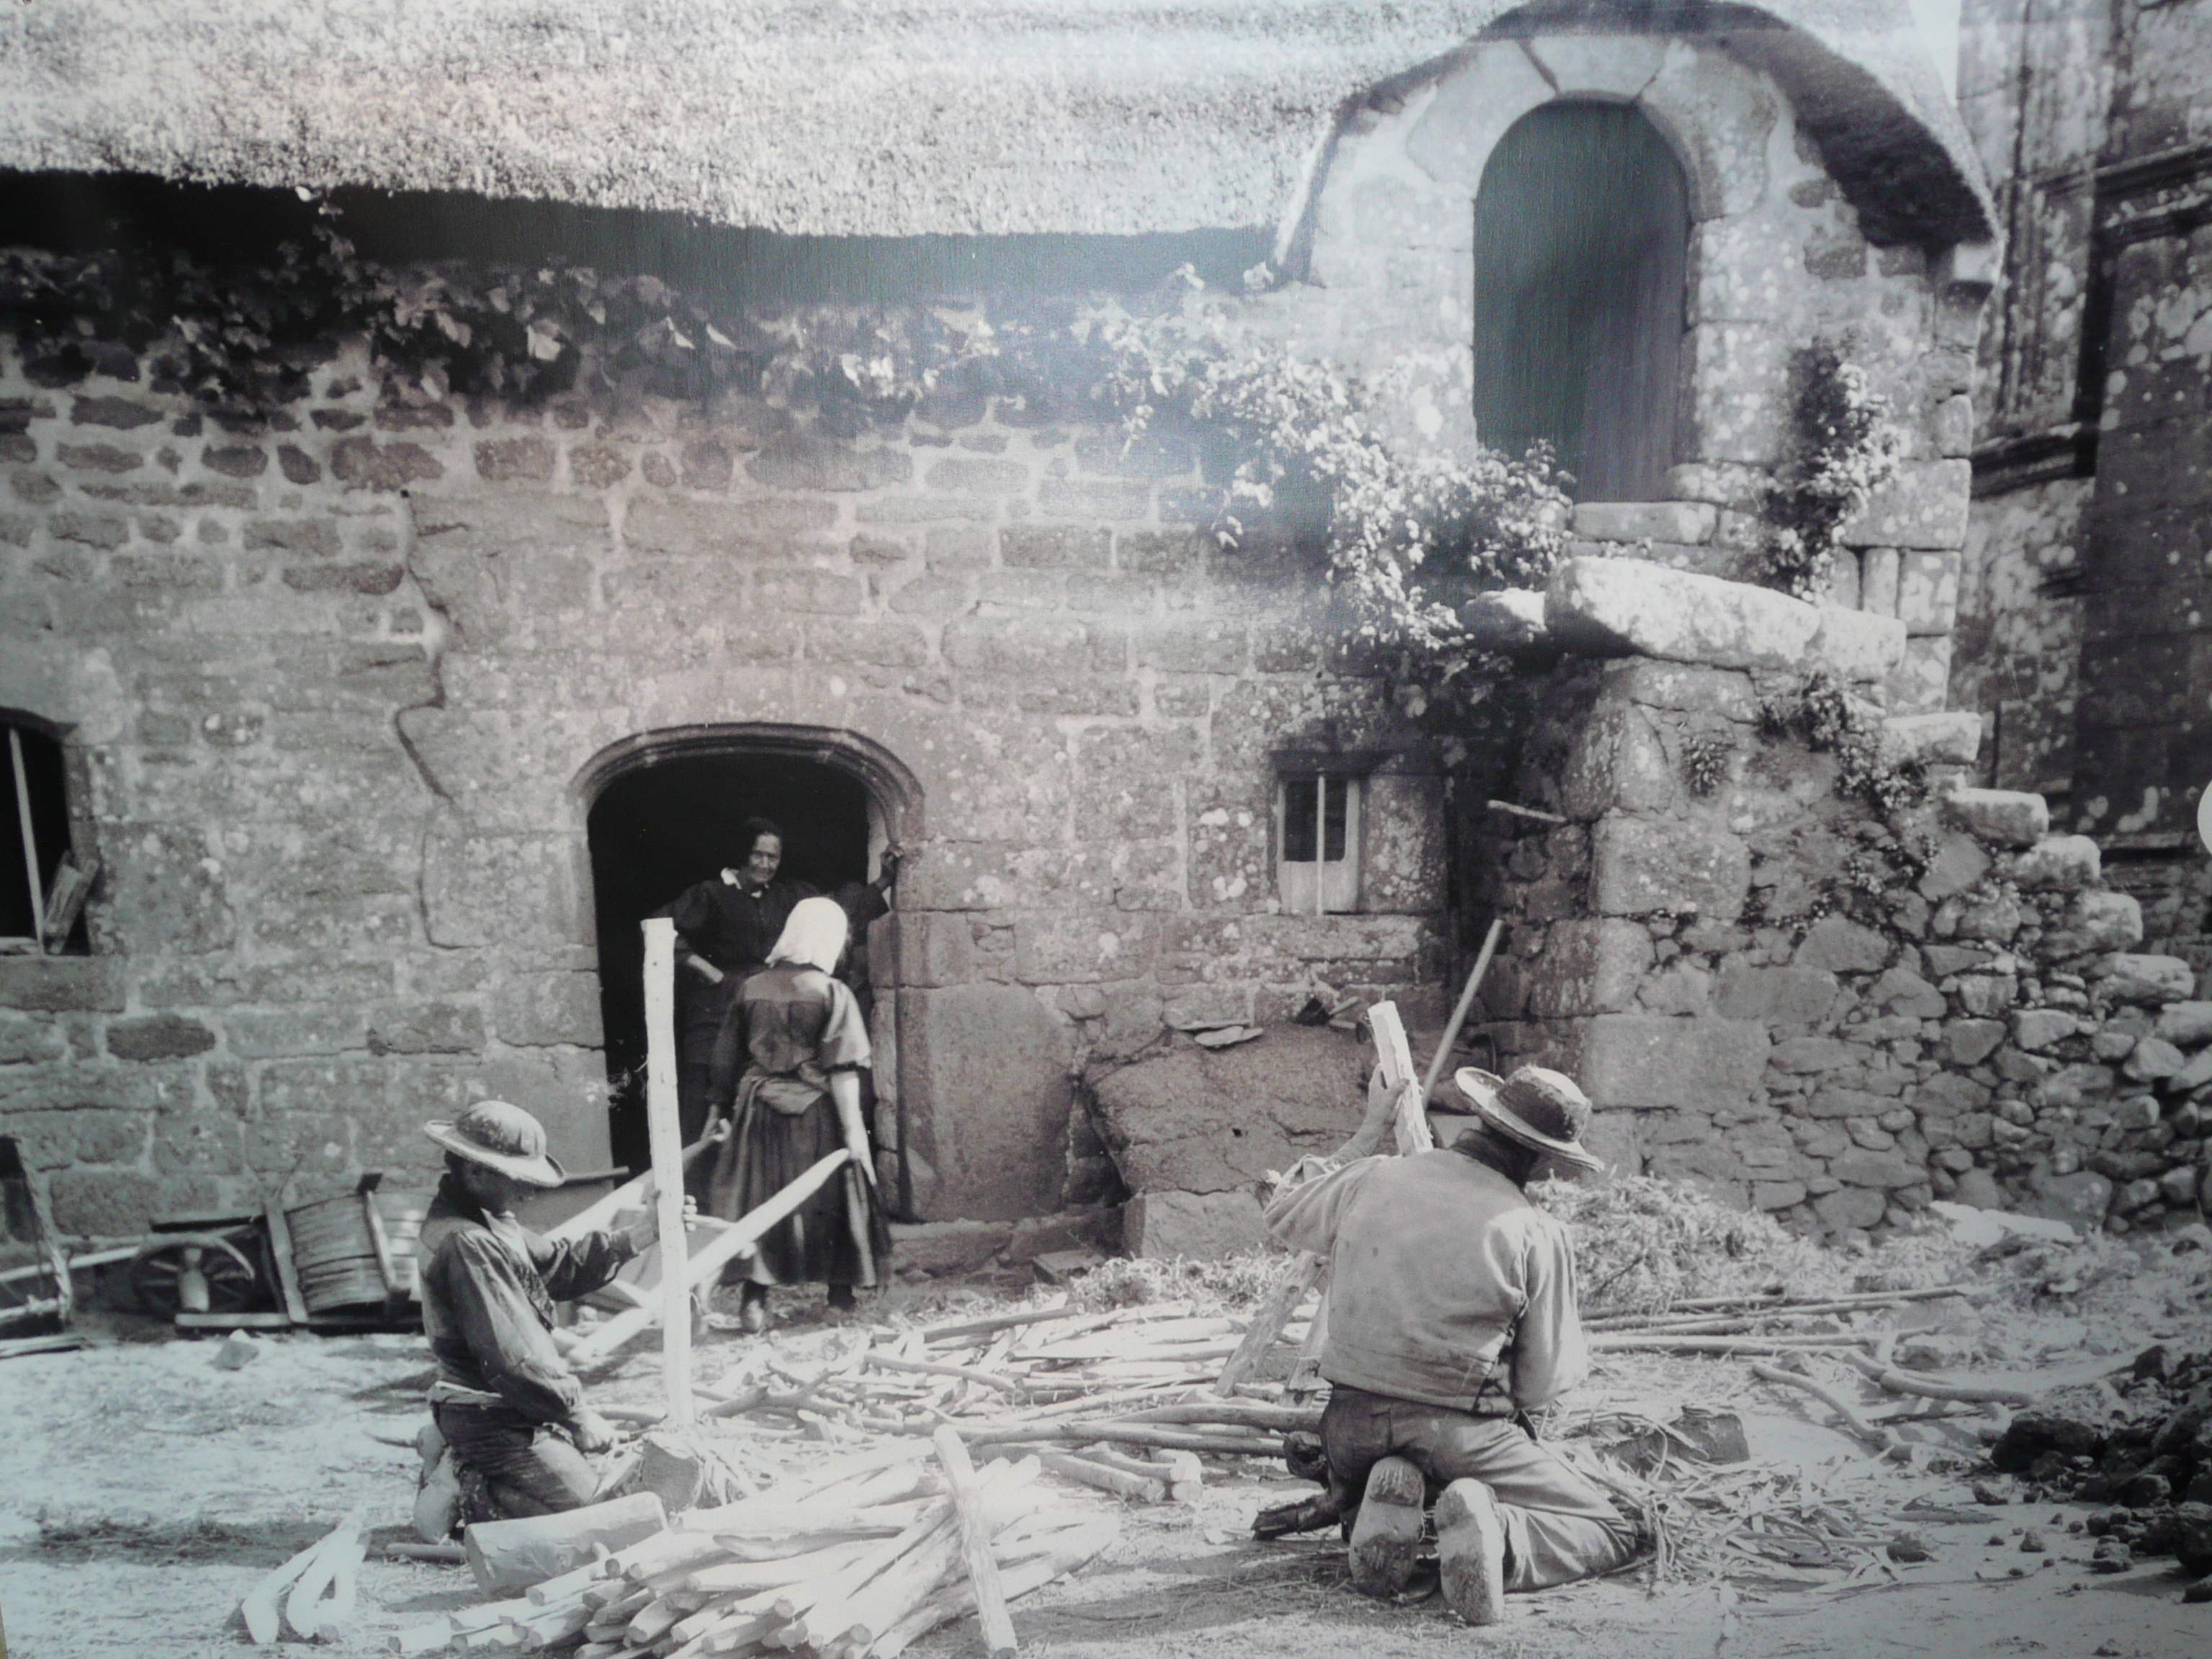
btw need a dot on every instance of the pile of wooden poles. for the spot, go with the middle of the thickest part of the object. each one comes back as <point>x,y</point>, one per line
<point>860,1557</point>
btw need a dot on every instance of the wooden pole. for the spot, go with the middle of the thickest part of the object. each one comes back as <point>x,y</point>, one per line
<point>975,1542</point>
<point>664,1134</point>
<point>730,1243</point>
<point>1442,1058</point>
<point>30,845</point>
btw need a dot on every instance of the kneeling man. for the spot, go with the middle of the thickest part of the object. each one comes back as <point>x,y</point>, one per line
<point>507,1405</point>
<point>1451,1314</point>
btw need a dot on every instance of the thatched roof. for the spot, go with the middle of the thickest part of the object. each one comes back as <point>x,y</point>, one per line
<point>842,116</point>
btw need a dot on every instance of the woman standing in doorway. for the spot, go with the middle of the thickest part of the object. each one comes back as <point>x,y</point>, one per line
<point>724,930</point>
<point>787,1068</point>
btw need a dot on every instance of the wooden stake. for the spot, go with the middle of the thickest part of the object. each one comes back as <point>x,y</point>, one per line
<point>1443,1055</point>
<point>666,1135</point>
<point>975,1542</point>
<point>30,845</point>
<point>732,1242</point>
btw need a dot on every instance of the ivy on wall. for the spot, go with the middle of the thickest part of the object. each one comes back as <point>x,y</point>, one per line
<point>1845,447</point>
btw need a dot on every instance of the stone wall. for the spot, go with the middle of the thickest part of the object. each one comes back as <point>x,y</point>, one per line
<point>340,684</point>
<point>1766,994</point>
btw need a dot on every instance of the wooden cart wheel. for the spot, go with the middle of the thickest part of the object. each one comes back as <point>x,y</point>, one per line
<point>193,1273</point>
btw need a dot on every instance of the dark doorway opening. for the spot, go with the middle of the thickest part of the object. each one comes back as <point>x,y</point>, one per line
<point>658,828</point>
<point>1582,231</point>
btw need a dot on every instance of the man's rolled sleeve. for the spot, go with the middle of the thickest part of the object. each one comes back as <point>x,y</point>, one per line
<point>1306,1215</point>
<point>1549,1354</point>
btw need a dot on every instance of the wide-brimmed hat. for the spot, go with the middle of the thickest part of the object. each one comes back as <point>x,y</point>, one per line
<point>1540,1108</point>
<point>503,1137</point>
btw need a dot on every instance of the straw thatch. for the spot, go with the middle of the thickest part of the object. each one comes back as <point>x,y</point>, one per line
<point>837,117</point>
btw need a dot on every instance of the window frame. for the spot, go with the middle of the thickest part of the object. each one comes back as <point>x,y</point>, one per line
<point>50,935</point>
<point>1322,886</point>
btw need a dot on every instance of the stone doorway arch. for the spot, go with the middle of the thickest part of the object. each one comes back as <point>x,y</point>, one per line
<point>660,809</point>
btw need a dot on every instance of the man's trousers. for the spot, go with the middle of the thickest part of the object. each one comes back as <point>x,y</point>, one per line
<point>1558,1526</point>
<point>525,1468</point>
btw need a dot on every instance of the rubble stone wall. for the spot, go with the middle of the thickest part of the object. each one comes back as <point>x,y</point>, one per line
<point>1763,997</point>
<point>336,685</point>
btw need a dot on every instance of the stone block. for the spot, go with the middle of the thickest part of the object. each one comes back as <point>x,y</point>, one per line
<point>1783,996</point>
<point>1849,1207</point>
<point>1099,1228</point>
<point>2187,1024</point>
<point>1473,106</point>
<point>426,1029</point>
<point>1681,686</point>
<point>296,1030</point>
<point>2038,1029</point>
<point>1801,1055</point>
<point>543,1010</point>
<point>1617,763</point>
<point>1642,866</point>
<point>1588,967</point>
<point>2125,977</point>
<point>1987,996</point>
<point>683,529</point>
<point>1203,1121</point>
<point>1928,592</point>
<point>1201,1226</point>
<point>2008,818</point>
<point>1612,1136</point>
<point>2080,1084</point>
<point>1637,521</point>
<point>2152,1058</point>
<point>1958,866</point>
<point>948,1247</point>
<point>2096,919</point>
<point>26,1041</point>
<point>1623,607</point>
<point>1718,120</point>
<point>986,1067</point>
<point>158,1036</point>
<point>800,462</point>
<point>2061,863</point>
<point>363,464</point>
<point>1970,1042</point>
<point>1079,947</point>
<point>1842,946</point>
<point>1951,738</point>
<point>106,1203</point>
<point>1776,1194</point>
<point>1644,1061</point>
<point>1903,992</point>
<point>1924,507</point>
<point>1857,644</point>
<point>2081,1198</point>
<point>1048,547</point>
<point>515,460</point>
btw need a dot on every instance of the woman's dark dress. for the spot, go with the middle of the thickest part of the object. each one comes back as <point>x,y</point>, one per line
<point>735,929</point>
<point>788,1027</point>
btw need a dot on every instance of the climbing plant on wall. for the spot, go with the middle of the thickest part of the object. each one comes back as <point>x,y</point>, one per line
<point>1410,532</point>
<point>1845,447</point>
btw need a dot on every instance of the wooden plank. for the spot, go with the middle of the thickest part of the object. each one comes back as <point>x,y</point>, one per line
<point>610,1336</point>
<point>1269,1321</point>
<point>975,1542</point>
<point>1443,1055</point>
<point>664,1135</point>
<point>30,837</point>
<point>1395,1056</point>
<point>72,887</point>
<point>287,1271</point>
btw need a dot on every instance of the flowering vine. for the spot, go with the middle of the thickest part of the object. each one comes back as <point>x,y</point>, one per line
<point>1846,448</point>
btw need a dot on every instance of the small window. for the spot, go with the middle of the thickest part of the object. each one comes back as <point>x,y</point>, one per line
<point>1318,869</point>
<point>42,889</point>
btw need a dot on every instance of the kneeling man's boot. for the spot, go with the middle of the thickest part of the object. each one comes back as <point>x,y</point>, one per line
<point>1471,1552</point>
<point>1387,1535</point>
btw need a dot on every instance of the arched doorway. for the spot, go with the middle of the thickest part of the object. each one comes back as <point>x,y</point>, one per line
<point>1581,236</point>
<point>664,811</point>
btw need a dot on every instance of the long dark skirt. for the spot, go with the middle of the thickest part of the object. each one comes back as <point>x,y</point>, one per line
<point>769,1150</point>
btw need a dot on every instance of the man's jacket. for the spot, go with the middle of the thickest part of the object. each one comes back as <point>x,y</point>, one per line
<point>487,1288</point>
<point>1444,1283</point>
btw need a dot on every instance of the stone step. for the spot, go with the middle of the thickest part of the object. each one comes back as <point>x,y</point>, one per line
<point>1953,737</point>
<point>1605,607</point>
<point>2011,817</point>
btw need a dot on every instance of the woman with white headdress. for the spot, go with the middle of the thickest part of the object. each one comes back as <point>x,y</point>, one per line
<point>787,1068</point>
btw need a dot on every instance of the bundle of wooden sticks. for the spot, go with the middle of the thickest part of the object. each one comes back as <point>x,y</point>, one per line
<point>860,1557</point>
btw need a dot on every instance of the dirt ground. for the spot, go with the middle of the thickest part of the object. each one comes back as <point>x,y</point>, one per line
<point>143,1490</point>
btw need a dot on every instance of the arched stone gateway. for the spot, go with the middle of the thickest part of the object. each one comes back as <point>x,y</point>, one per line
<point>662,811</point>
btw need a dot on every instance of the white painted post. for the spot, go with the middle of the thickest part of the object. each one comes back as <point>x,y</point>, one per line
<point>666,1137</point>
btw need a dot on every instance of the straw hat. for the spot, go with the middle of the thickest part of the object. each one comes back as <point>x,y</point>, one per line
<point>500,1137</point>
<point>1539,1108</point>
